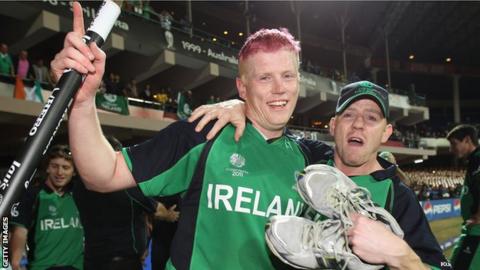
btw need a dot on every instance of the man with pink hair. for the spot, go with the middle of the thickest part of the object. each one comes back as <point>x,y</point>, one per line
<point>229,189</point>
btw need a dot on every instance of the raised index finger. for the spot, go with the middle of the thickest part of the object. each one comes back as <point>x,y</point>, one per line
<point>78,25</point>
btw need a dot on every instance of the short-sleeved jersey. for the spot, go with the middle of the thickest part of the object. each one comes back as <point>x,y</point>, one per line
<point>229,190</point>
<point>470,198</point>
<point>389,192</point>
<point>55,234</point>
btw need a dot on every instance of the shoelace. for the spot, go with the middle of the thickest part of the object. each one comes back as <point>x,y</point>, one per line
<point>352,200</point>
<point>313,235</point>
<point>348,201</point>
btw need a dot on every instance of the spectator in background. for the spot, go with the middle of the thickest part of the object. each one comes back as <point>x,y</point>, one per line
<point>427,195</point>
<point>128,5</point>
<point>166,23</point>
<point>119,85</point>
<point>416,189</point>
<point>171,105</point>
<point>424,193</point>
<point>211,100</point>
<point>137,6</point>
<point>191,100</point>
<point>161,97</point>
<point>444,193</point>
<point>114,85</point>
<point>147,10</point>
<point>48,219</point>
<point>464,144</point>
<point>434,193</point>
<point>40,72</point>
<point>131,89</point>
<point>6,64</point>
<point>23,65</point>
<point>111,85</point>
<point>146,94</point>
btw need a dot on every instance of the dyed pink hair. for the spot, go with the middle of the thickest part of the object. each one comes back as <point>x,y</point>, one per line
<point>268,40</point>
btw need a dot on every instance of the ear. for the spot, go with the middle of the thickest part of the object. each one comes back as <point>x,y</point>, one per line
<point>332,126</point>
<point>387,133</point>
<point>467,140</point>
<point>241,87</point>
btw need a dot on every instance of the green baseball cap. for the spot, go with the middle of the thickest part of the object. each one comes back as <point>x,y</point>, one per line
<point>359,90</point>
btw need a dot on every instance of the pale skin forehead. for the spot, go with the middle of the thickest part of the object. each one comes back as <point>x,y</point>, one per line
<point>250,64</point>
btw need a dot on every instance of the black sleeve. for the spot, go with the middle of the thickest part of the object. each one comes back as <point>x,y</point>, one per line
<point>23,212</point>
<point>148,204</point>
<point>165,149</point>
<point>412,220</point>
<point>316,151</point>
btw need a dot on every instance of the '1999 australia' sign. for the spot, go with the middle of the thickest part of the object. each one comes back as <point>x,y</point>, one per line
<point>195,48</point>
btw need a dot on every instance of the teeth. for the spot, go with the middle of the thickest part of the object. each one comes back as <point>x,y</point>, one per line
<point>278,103</point>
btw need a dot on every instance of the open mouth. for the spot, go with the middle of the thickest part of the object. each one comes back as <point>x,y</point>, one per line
<point>277,103</point>
<point>355,141</point>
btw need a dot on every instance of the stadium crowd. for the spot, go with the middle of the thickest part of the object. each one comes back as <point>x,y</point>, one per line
<point>436,183</point>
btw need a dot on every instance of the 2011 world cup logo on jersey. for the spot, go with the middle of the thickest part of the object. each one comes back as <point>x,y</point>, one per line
<point>14,210</point>
<point>237,161</point>
<point>52,209</point>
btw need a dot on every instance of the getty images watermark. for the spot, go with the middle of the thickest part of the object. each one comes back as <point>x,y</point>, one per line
<point>445,264</point>
<point>5,252</point>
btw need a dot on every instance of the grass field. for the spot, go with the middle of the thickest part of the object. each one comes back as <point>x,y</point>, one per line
<point>446,229</point>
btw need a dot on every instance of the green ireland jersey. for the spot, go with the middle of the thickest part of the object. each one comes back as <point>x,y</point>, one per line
<point>229,191</point>
<point>55,234</point>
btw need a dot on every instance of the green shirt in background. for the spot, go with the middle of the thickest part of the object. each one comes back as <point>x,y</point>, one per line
<point>6,64</point>
<point>55,234</point>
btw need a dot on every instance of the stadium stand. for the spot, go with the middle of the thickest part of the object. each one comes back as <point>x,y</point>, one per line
<point>436,183</point>
<point>155,44</point>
